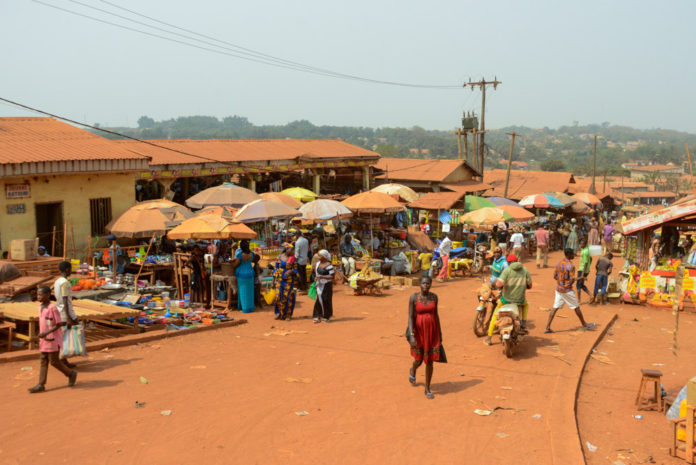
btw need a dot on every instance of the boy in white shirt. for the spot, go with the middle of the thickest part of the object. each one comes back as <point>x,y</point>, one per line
<point>63,292</point>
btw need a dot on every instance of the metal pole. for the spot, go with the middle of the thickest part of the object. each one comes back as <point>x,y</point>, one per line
<point>593,189</point>
<point>507,176</point>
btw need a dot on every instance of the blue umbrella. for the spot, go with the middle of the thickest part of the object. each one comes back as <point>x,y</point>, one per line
<point>503,201</point>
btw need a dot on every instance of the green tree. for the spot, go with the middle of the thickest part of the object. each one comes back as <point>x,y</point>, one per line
<point>553,164</point>
<point>145,122</point>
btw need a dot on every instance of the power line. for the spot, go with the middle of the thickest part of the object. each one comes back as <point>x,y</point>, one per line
<point>246,53</point>
<point>114,133</point>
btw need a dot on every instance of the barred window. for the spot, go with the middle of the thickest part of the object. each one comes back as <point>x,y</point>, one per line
<point>100,214</point>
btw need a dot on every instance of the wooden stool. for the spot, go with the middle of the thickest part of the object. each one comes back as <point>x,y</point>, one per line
<point>653,403</point>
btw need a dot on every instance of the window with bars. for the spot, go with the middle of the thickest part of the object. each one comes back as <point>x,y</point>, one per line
<point>100,214</point>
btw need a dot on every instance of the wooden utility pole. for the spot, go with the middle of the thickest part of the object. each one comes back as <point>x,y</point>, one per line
<point>507,175</point>
<point>593,189</point>
<point>482,85</point>
<point>604,187</point>
<point>679,282</point>
<point>691,169</point>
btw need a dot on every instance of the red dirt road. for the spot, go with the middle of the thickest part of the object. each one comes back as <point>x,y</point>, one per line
<point>233,395</point>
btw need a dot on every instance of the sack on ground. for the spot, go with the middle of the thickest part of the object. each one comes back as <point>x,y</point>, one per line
<point>74,342</point>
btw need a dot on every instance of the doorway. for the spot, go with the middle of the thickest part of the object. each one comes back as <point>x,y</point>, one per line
<point>48,217</point>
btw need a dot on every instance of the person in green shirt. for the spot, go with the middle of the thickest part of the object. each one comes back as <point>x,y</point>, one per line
<point>515,280</point>
<point>584,269</point>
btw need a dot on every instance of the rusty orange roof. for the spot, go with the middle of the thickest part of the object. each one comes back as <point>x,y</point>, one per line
<point>651,195</point>
<point>468,187</point>
<point>418,169</point>
<point>59,148</point>
<point>656,167</point>
<point>241,150</point>
<point>583,185</point>
<point>524,182</point>
<point>437,200</point>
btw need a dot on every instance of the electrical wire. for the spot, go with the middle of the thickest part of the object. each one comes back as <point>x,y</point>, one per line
<point>244,54</point>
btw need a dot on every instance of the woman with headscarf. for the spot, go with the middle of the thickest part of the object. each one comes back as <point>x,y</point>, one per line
<point>572,242</point>
<point>285,278</point>
<point>324,275</point>
<point>593,237</point>
<point>244,271</point>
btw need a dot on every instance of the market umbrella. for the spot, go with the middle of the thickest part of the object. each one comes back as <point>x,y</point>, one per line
<point>224,194</point>
<point>225,212</point>
<point>484,216</point>
<point>211,226</point>
<point>300,193</point>
<point>264,210</point>
<point>149,218</point>
<point>587,198</point>
<point>472,202</point>
<point>503,201</point>
<point>406,193</point>
<point>545,200</point>
<point>516,213</point>
<point>288,200</point>
<point>372,202</point>
<point>324,210</point>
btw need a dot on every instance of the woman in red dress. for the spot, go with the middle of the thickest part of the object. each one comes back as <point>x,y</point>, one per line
<point>424,333</point>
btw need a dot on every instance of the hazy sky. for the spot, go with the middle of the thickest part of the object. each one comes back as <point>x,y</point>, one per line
<point>626,62</point>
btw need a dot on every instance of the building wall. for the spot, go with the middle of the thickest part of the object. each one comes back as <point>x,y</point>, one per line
<point>459,175</point>
<point>75,191</point>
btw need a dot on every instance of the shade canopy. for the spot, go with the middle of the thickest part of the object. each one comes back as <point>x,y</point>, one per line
<point>300,193</point>
<point>224,194</point>
<point>211,226</point>
<point>406,193</point>
<point>587,198</point>
<point>324,210</point>
<point>484,216</point>
<point>472,202</point>
<point>516,213</point>
<point>145,219</point>
<point>288,200</point>
<point>545,200</point>
<point>264,210</point>
<point>503,201</point>
<point>372,202</point>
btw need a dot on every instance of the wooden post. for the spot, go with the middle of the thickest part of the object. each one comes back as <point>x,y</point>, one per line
<point>53,242</point>
<point>474,150</point>
<point>679,281</point>
<point>691,169</point>
<point>466,147</point>
<point>141,263</point>
<point>593,189</point>
<point>507,176</point>
<point>72,240</point>
<point>65,241</point>
<point>459,144</point>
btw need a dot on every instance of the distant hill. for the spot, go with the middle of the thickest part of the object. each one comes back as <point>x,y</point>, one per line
<point>567,147</point>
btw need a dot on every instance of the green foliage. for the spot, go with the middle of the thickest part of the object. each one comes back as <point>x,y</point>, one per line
<point>553,165</point>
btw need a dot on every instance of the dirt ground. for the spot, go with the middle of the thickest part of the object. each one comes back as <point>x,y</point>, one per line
<point>235,393</point>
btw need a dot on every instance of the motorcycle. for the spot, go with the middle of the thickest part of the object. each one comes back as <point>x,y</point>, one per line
<point>508,326</point>
<point>488,300</point>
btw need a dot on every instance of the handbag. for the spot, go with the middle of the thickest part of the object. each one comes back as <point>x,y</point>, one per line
<point>312,292</point>
<point>74,342</point>
<point>443,355</point>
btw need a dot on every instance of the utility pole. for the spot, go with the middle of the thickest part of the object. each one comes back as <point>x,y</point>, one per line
<point>507,176</point>
<point>482,85</point>
<point>593,189</point>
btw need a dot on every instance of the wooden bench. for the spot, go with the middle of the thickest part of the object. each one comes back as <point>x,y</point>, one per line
<point>655,400</point>
<point>10,327</point>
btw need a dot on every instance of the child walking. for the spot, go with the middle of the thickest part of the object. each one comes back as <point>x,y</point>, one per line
<point>50,340</point>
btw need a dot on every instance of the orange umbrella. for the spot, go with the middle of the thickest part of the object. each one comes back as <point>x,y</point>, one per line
<point>225,212</point>
<point>517,213</point>
<point>587,198</point>
<point>145,219</point>
<point>288,200</point>
<point>405,192</point>
<point>372,202</point>
<point>224,194</point>
<point>211,226</point>
<point>264,210</point>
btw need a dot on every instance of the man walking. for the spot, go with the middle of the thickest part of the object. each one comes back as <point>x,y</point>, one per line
<point>301,256</point>
<point>603,269</point>
<point>63,292</point>
<point>584,270</point>
<point>542,246</point>
<point>445,248</point>
<point>565,277</point>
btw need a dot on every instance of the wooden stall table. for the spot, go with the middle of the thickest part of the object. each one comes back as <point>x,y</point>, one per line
<point>10,327</point>
<point>150,270</point>
<point>86,310</point>
<point>41,264</point>
<point>231,282</point>
<point>29,281</point>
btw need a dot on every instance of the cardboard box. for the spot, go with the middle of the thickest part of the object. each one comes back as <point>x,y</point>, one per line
<point>691,391</point>
<point>24,249</point>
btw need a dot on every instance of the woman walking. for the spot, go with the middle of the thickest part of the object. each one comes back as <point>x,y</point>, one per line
<point>424,333</point>
<point>285,279</point>
<point>244,271</point>
<point>324,275</point>
<point>593,236</point>
<point>572,242</point>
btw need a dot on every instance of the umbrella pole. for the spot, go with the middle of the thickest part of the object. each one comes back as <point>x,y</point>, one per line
<point>371,241</point>
<point>141,264</point>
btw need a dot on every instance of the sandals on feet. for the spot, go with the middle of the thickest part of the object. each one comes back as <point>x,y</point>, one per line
<point>549,331</point>
<point>429,395</point>
<point>411,379</point>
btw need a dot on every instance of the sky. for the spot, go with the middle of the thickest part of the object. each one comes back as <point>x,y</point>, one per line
<point>623,62</point>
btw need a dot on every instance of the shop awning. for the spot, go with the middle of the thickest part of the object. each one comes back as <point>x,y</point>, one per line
<point>659,217</point>
<point>437,200</point>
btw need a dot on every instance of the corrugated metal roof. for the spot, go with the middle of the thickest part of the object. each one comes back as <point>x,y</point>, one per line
<point>525,182</point>
<point>417,169</point>
<point>241,150</point>
<point>468,186</point>
<point>437,200</point>
<point>26,140</point>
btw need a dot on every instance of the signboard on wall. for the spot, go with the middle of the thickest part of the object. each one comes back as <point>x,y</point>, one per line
<point>17,191</point>
<point>16,208</point>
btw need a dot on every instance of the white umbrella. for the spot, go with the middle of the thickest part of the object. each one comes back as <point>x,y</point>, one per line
<point>223,195</point>
<point>324,210</point>
<point>264,210</point>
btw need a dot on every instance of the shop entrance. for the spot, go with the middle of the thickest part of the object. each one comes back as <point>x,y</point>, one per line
<point>48,216</point>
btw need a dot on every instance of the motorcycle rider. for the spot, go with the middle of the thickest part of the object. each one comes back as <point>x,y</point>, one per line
<point>515,280</point>
<point>498,266</point>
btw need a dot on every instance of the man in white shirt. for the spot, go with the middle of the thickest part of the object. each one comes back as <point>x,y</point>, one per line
<point>445,248</point>
<point>63,292</point>
<point>517,239</point>
<point>301,255</point>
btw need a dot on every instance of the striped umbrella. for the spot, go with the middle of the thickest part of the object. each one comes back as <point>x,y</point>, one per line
<point>503,201</point>
<point>587,198</point>
<point>545,200</point>
<point>472,203</point>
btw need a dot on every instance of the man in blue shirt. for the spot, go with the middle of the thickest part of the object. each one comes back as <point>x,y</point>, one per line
<point>348,255</point>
